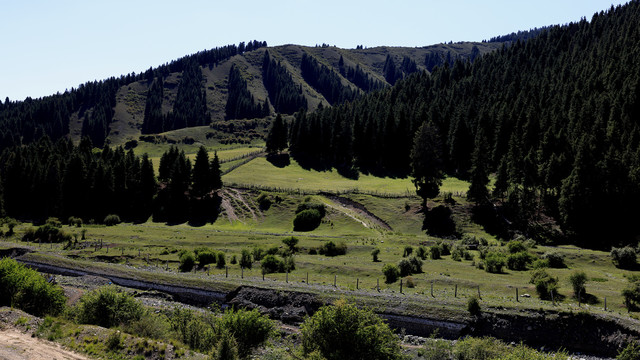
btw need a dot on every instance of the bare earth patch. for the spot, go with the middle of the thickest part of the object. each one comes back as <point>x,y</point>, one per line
<point>16,345</point>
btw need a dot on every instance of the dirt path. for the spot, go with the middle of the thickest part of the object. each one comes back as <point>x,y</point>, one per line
<point>15,345</point>
<point>357,212</point>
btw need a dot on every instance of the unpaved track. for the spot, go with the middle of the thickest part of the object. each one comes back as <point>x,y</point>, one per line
<point>15,345</point>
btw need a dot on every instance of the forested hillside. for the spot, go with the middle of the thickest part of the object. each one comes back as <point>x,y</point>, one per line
<point>231,82</point>
<point>555,117</point>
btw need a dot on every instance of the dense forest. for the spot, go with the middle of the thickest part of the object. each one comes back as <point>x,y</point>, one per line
<point>555,118</point>
<point>285,95</point>
<point>240,103</point>
<point>74,181</point>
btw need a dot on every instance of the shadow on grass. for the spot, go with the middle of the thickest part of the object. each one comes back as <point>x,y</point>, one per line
<point>279,160</point>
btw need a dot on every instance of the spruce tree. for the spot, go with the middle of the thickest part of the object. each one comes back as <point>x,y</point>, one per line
<point>479,170</point>
<point>215,173</point>
<point>201,184</point>
<point>277,137</point>
<point>426,162</point>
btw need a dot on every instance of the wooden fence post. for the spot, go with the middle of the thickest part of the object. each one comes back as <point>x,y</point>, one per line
<point>455,294</point>
<point>335,277</point>
<point>400,286</point>
<point>517,299</point>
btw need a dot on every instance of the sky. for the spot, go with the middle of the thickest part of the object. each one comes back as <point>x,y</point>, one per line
<point>50,46</point>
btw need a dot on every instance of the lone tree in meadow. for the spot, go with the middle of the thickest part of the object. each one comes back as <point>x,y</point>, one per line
<point>277,137</point>
<point>426,162</point>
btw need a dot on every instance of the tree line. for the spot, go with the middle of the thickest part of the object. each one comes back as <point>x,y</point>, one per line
<point>325,81</point>
<point>58,179</point>
<point>555,118</point>
<point>240,103</point>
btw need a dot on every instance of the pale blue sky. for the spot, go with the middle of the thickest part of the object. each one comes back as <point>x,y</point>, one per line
<point>50,46</point>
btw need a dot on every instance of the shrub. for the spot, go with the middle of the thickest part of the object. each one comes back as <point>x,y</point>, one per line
<point>494,262</point>
<point>74,221</point>
<point>519,260</point>
<point>258,253</point>
<point>245,259</point>
<point>26,289</point>
<point>111,220</point>
<point>630,352</point>
<point>264,201</point>
<point>187,262</point>
<point>391,273</point>
<point>436,349</point>
<point>53,221</point>
<point>114,341</point>
<point>522,352</point>
<point>486,348</point>
<point>46,233</point>
<point>578,279</point>
<point>194,329</point>
<point>206,257</point>
<point>345,332</point>
<point>416,265</point>
<point>546,285</point>
<point>554,260</point>
<point>445,248</point>
<point>459,252</point>
<point>422,252</point>
<point>408,250</point>
<point>331,249</point>
<point>108,307</point>
<point>516,246</point>
<point>291,242</point>
<point>473,306</point>
<point>307,220</point>
<point>624,258</point>
<point>631,293</point>
<point>540,264</point>
<point>273,264</point>
<point>374,254</point>
<point>310,205</point>
<point>234,259</point>
<point>405,267</point>
<point>150,325</point>
<point>434,252</point>
<point>226,348</point>
<point>249,328</point>
<point>411,283</point>
<point>221,260</point>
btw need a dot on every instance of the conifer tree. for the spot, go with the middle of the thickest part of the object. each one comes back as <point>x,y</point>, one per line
<point>479,170</point>
<point>277,137</point>
<point>426,162</point>
<point>201,183</point>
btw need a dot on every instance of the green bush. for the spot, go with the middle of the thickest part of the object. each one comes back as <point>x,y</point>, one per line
<point>245,259</point>
<point>516,246</point>
<point>46,233</point>
<point>519,260</point>
<point>108,307</point>
<point>630,352</point>
<point>114,341</point>
<point>311,205</point>
<point>194,329</point>
<point>187,261</point>
<point>307,220</point>
<point>434,252</point>
<point>624,258</point>
<point>150,325</point>
<point>111,220</point>
<point>486,348</point>
<point>226,348</point>
<point>331,249</point>
<point>546,285</point>
<point>408,250</point>
<point>631,292</point>
<point>405,267</point>
<point>554,260</point>
<point>494,262</point>
<point>391,273</point>
<point>436,349</point>
<point>522,352</point>
<point>206,257</point>
<point>345,332</point>
<point>249,328</point>
<point>74,221</point>
<point>264,201</point>
<point>258,253</point>
<point>473,306</point>
<point>578,280</point>
<point>422,252</point>
<point>273,264</point>
<point>26,289</point>
<point>221,260</point>
<point>291,243</point>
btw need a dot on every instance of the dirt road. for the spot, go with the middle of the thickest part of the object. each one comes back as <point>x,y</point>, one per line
<point>15,345</point>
